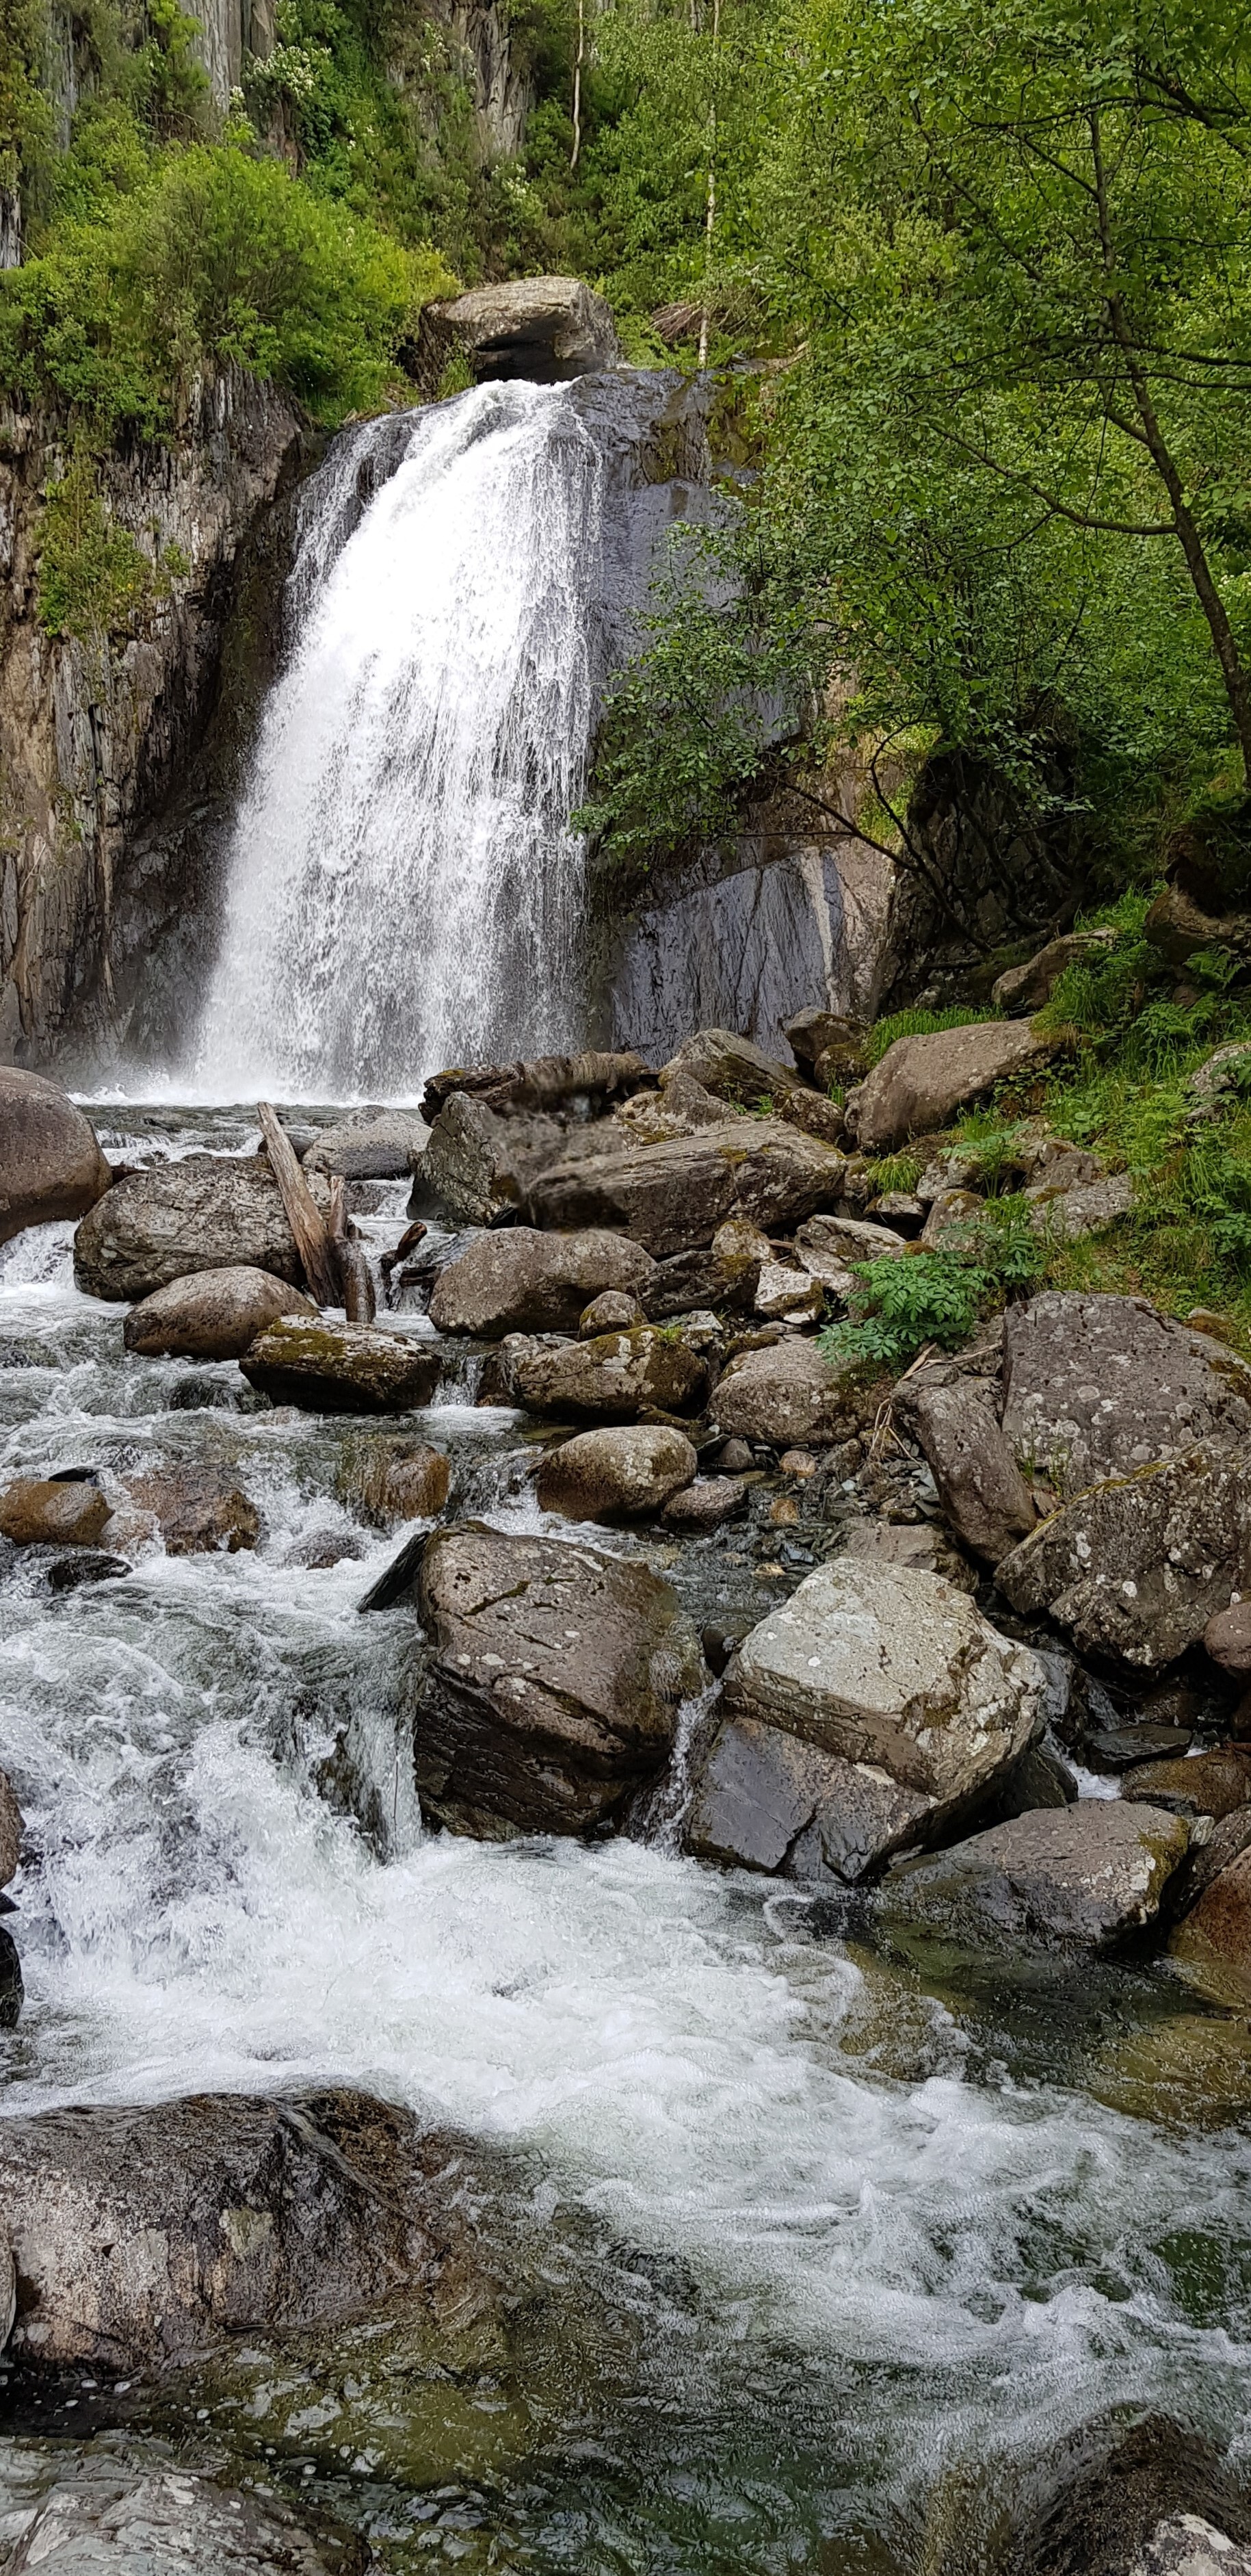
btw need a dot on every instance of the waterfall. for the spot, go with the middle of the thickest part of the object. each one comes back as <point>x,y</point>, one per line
<point>403,890</point>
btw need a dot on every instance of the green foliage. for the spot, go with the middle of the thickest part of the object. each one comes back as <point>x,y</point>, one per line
<point>909,1300</point>
<point>918,1024</point>
<point>92,574</point>
<point>899,1171</point>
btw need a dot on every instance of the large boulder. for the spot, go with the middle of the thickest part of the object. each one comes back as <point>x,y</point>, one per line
<point>612,1378</point>
<point>1097,1386</point>
<point>554,1684</point>
<point>673,1196</point>
<point>522,1281</point>
<point>199,1510</point>
<point>889,1666</point>
<point>922,1081</point>
<point>118,2506</point>
<point>340,1368</point>
<point>1213,1945</point>
<point>1026,988</point>
<point>546,329</point>
<point>1092,1874</point>
<point>372,1145</point>
<point>785,1394</point>
<point>736,1070</point>
<point>764,1800</point>
<point>388,1478</point>
<point>38,1511</point>
<point>980,1485</point>
<point>478,1166</point>
<point>146,2235</point>
<point>1135,1567</point>
<point>208,1212</point>
<point>210,1315</point>
<point>1186,2544</point>
<point>722,1279</point>
<point>622,1474</point>
<point>50,1162</point>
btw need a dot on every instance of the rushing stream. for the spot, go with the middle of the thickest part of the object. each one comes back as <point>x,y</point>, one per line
<point>828,2248</point>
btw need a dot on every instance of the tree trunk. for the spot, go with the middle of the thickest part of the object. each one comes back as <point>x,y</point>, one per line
<point>312,1241</point>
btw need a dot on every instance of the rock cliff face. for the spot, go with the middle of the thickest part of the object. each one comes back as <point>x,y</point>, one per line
<point>95,738</point>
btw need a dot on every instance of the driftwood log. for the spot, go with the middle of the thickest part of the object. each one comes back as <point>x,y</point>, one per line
<point>356,1279</point>
<point>308,1226</point>
<point>542,1082</point>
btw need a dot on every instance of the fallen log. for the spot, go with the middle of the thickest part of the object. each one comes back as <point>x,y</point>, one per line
<point>541,1082</point>
<point>308,1226</point>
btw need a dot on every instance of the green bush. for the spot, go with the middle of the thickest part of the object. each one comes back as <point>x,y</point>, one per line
<point>908,1300</point>
<point>92,574</point>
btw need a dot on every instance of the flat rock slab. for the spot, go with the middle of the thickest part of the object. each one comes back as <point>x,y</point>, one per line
<point>1098,1386</point>
<point>921,1081</point>
<point>889,1666</point>
<point>1135,1567</point>
<point>212,1315</point>
<point>1091,1874</point>
<point>340,1368</point>
<point>148,2234</point>
<point>121,2507</point>
<point>50,1160</point>
<point>673,1196</point>
<point>522,1281</point>
<point>208,1212</point>
<point>763,1800</point>
<point>554,1686</point>
<point>611,1378</point>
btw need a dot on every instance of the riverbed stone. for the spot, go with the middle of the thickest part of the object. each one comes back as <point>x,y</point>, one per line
<point>50,1160</point>
<point>612,1378</point>
<point>980,1486</point>
<point>1213,1944</point>
<point>922,1081</point>
<point>1188,2545</point>
<point>719,1280</point>
<point>786,1394</point>
<point>389,1478</point>
<point>1097,1386</point>
<point>1135,1567</point>
<point>211,1315</point>
<point>613,1311</point>
<point>1202,1784</point>
<point>1227,1639</point>
<point>206,1212</point>
<point>673,1196</point>
<point>706,1505</point>
<point>327,1367</point>
<point>199,1510</point>
<point>626,1473</point>
<point>12,1827</point>
<point>763,1800</point>
<point>523,1281</point>
<point>478,1165</point>
<point>119,2506</point>
<point>889,1666</point>
<point>371,1145</point>
<point>554,1682</point>
<point>50,1512</point>
<point>1092,1874</point>
<point>148,2234</point>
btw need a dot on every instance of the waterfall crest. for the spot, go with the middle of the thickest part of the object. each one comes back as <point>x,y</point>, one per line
<point>403,890</point>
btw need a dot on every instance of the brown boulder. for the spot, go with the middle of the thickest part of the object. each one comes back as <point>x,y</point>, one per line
<point>50,1162</point>
<point>199,1511</point>
<point>210,1315</point>
<point>673,1196</point>
<point>208,1212</point>
<point>706,1505</point>
<point>340,1368</point>
<point>388,1480</point>
<point>1027,987</point>
<point>554,1683</point>
<point>622,1474</point>
<point>1204,1784</point>
<point>37,1511</point>
<point>12,1828</point>
<point>1227,1638</point>
<point>613,1378</point>
<point>1214,1943</point>
<point>613,1311</point>
<point>522,1281</point>
<point>737,1071</point>
<point>922,1081</point>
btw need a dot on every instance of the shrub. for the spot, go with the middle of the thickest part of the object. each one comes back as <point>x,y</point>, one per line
<point>92,574</point>
<point>908,1300</point>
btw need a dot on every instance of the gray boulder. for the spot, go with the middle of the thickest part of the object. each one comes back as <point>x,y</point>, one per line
<point>612,1378</point>
<point>888,1666</point>
<point>522,1281</point>
<point>1227,1639</point>
<point>50,1162</point>
<point>122,2507</point>
<point>706,1505</point>
<point>739,1072</point>
<point>722,1279</point>
<point>208,1212</point>
<point>1098,1386</point>
<point>146,2235</point>
<point>673,1196</point>
<point>1092,1874</point>
<point>1027,987</point>
<point>1135,1567</point>
<point>921,1081</point>
<point>980,1486</point>
<point>786,1394</point>
<point>1187,2545</point>
<point>1062,1215</point>
<point>478,1166</point>
<point>622,1474</point>
<point>554,1683</point>
<point>211,1315</point>
<point>764,1800</point>
<point>39,1511</point>
<point>615,1310</point>
<point>372,1145</point>
<point>547,329</point>
<point>340,1368</point>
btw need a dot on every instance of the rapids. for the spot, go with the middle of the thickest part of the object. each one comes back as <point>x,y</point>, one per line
<point>832,2236</point>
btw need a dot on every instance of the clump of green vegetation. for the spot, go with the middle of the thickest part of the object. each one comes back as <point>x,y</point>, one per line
<point>918,1024</point>
<point>92,574</point>
<point>907,1301</point>
<point>899,1171</point>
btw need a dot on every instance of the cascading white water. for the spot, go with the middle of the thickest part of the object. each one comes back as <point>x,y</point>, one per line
<point>403,887</point>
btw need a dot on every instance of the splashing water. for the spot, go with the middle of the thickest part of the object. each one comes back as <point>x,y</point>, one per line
<point>404,890</point>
